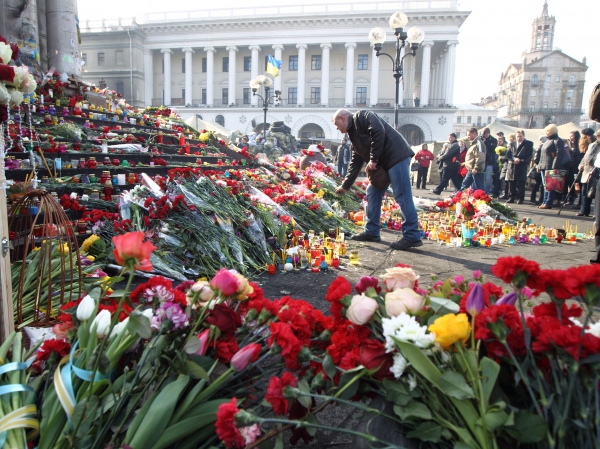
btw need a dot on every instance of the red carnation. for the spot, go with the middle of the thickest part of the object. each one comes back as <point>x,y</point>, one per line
<point>511,319</point>
<point>60,347</point>
<point>227,432</point>
<point>275,395</point>
<point>282,335</point>
<point>509,268</point>
<point>339,288</point>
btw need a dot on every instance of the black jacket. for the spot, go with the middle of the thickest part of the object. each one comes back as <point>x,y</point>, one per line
<point>549,154</point>
<point>491,158</point>
<point>518,172</point>
<point>450,160</point>
<point>373,140</point>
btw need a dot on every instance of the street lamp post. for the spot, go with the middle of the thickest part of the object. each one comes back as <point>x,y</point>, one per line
<point>266,82</point>
<point>413,37</point>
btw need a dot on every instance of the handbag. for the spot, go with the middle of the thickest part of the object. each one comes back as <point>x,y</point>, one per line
<point>379,178</point>
<point>555,180</point>
<point>415,166</point>
<point>592,184</point>
<point>533,173</point>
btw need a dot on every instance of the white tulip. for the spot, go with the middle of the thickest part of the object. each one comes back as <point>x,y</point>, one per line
<point>148,313</point>
<point>85,308</point>
<point>102,323</point>
<point>119,328</point>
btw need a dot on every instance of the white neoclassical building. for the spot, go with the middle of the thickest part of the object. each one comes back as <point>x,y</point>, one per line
<point>201,62</point>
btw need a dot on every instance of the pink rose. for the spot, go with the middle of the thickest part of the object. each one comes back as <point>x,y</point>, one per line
<point>361,309</point>
<point>399,277</point>
<point>226,282</point>
<point>403,300</point>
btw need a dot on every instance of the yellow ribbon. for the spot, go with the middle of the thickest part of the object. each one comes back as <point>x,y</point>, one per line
<point>65,396</point>
<point>21,418</point>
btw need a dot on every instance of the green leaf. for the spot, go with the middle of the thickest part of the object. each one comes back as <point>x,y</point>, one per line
<point>454,384</point>
<point>413,410</point>
<point>192,345</point>
<point>303,386</point>
<point>428,431</point>
<point>528,428</point>
<point>313,420</point>
<point>196,370</point>
<point>489,372</point>
<point>352,389</point>
<point>84,411</point>
<point>494,419</point>
<point>139,324</point>
<point>396,392</point>
<point>329,366</point>
<point>279,442</point>
<point>419,361</point>
<point>460,445</point>
<point>443,306</point>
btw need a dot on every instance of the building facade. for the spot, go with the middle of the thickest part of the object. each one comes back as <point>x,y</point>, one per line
<point>545,87</point>
<point>469,116</point>
<point>202,62</point>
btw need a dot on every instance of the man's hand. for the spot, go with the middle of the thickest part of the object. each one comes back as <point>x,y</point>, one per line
<point>517,160</point>
<point>474,171</point>
<point>372,166</point>
<point>340,190</point>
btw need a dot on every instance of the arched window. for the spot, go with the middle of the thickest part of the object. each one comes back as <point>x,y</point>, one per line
<point>545,105</point>
<point>489,119</point>
<point>468,119</point>
<point>535,81</point>
<point>569,107</point>
<point>531,106</point>
<point>220,120</point>
<point>479,120</point>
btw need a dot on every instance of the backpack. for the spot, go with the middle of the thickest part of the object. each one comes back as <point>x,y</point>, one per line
<point>594,109</point>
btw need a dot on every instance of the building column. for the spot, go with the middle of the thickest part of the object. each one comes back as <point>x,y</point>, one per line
<point>301,72</point>
<point>188,75</point>
<point>409,76</point>
<point>425,68</point>
<point>432,83</point>
<point>350,46</point>
<point>277,82</point>
<point>444,77</point>
<point>167,75</point>
<point>148,77</point>
<point>232,70</point>
<point>438,75</point>
<point>374,79</point>
<point>325,74</point>
<point>451,72</point>
<point>254,69</point>
<point>60,29</point>
<point>210,76</point>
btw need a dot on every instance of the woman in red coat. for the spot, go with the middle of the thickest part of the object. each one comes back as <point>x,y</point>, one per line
<point>423,157</point>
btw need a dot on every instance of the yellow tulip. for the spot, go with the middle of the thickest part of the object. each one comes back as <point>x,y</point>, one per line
<point>451,328</point>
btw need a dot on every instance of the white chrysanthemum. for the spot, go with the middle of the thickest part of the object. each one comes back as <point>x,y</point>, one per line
<point>412,382</point>
<point>406,328</point>
<point>30,86</point>
<point>4,95</point>
<point>21,78</point>
<point>400,364</point>
<point>5,53</point>
<point>16,98</point>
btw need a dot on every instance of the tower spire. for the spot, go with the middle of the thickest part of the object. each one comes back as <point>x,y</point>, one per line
<point>545,9</point>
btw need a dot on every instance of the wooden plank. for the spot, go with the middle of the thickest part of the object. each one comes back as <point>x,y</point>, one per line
<point>7,323</point>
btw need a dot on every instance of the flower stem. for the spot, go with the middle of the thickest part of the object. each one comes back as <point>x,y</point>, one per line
<point>354,379</point>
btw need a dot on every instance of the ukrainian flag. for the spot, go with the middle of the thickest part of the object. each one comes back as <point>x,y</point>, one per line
<point>273,66</point>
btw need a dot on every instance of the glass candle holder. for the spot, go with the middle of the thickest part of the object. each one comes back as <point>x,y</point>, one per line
<point>354,257</point>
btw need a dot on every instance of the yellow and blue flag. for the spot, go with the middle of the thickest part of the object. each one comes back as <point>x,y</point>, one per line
<point>273,66</point>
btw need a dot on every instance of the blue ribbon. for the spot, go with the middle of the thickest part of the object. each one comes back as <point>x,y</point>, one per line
<point>83,374</point>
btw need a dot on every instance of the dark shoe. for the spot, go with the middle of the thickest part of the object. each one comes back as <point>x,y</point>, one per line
<point>520,202</point>
<point>364,237</point>
<point>510,201</point>
<point>579,214</point>
<point>503,197</point>
<point>434,192</point>
<point>592,261</point>
<point>544,206</point>
<point>405,244</point>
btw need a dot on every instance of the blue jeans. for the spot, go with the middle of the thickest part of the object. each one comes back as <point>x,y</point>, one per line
<point>342,169</point>
<point>548,196</point>
<point>400,183</point>
<point>488,181</point>
<point>476,180</point>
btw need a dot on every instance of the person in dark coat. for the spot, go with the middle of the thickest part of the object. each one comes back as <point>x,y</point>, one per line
<point>343,156</point>
<point>550,159</point>
<point>518,165</point>
<point>375,142</point>
<point>449,162</point>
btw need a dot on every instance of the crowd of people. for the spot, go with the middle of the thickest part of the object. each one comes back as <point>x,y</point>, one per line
<point>502,167</point>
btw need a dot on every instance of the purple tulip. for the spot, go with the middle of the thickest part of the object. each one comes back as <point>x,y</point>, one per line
<point>507,300</point>
<point>365,282</point>
<point>476,301</point>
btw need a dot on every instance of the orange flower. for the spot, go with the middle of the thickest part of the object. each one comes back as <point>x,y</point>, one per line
<point>131,246</point>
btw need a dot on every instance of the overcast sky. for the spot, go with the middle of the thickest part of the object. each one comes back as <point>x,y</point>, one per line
<point>494,35</point>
